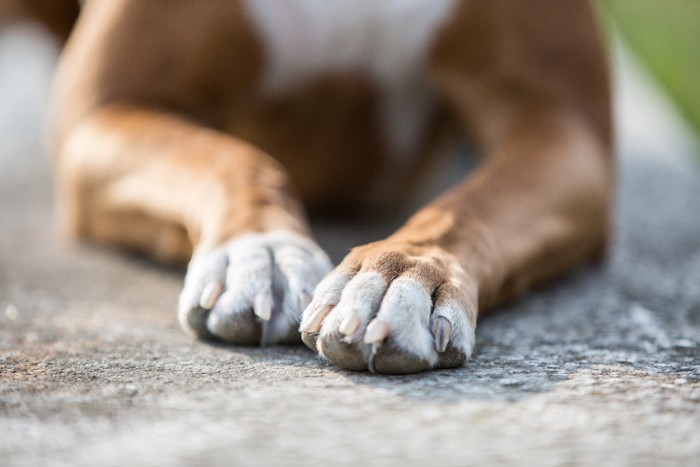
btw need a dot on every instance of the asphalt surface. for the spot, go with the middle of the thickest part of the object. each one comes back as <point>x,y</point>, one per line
<point>601,368</point>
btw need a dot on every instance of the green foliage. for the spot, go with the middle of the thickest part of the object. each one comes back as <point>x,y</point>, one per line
<point>665,34</point>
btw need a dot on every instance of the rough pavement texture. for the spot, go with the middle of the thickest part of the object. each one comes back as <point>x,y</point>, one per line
<point>600,368</point>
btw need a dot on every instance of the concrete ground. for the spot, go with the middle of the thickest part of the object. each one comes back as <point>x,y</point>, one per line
<point>602,368</point>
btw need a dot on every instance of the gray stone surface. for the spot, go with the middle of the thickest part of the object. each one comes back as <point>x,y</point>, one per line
<point>601,368</point>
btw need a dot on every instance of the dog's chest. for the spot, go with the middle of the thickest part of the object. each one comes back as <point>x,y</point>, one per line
<point>386,41</point>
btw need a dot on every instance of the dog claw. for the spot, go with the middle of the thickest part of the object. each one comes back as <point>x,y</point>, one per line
<point>262,306</point>
<point>377,331</point>
<point>210,294</point>
<point>442,332</point>
<point>316,319</point>
<point>372,355</point>
<point>349,324</point>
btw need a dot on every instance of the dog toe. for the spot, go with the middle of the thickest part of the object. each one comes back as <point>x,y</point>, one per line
<point>252,289</point>
<point>342,353</point>
<point>389,358</point>
<point>203,286</point>
<point>235,325</point>
<point>410,316</point>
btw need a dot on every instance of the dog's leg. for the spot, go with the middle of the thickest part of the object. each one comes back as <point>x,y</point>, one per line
<point>173,187</point>
<point>157,183</point>
<point>537,206</point>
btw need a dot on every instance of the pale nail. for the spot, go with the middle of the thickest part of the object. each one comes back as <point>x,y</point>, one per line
<point>350,324</point>
<point>314,322</point>
<point>370,358</point>
<point>304,300</point>
<point>442,332</point>
<point>210,294</point>
<point>262,306</point>
<point>377,331</point>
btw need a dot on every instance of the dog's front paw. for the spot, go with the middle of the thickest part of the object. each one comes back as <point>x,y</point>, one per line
<point>393,308</point>
<point>253,289</point>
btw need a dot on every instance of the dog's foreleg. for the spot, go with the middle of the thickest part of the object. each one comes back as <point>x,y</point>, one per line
<point>527,80</point>
<point>537,207</point>
<point>157,183</point>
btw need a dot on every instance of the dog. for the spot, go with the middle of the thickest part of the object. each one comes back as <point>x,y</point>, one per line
<point>202,132</point>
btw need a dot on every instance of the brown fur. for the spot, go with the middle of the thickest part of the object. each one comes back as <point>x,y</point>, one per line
<point>163,143</point>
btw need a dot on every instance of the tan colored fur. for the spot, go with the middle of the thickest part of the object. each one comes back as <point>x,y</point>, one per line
<point>165,144</point>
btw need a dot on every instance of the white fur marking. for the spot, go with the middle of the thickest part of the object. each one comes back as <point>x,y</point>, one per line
<point>462,337</point>
<point>253,268</point>
<point>386,40</point>
<point>406,308</point>
<point>361,296</point>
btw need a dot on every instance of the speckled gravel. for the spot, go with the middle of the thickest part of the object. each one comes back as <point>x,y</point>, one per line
<point>601,369</point>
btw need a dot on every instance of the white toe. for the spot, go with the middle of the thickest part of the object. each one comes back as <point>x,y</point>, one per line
<point>326,296</point>
<point>406,310</point>
<point>205,277</point>
<point>249,274</point>
<point>462,335</point>
<point>358,304</point>
<point>300,276</point>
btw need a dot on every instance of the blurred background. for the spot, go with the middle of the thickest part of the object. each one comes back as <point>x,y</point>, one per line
<point>654,45</point>
<point>665,36</point>
<point>601,369</point>
<point>656,70</point>
<point>653,49</point>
